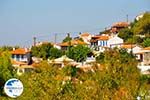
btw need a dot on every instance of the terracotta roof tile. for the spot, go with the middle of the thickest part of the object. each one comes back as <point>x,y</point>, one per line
<point>20,51</point>
<point>85,34</point>
<point>147,48</point>
<point>120,24</point>
<point>93,40</point>
<point>103,38</point>
<point>128,46</point>
<point>73,42</point>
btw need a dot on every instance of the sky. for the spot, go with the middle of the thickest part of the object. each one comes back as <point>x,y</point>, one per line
<point>21,20</point>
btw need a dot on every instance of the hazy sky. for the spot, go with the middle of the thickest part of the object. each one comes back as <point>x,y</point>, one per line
<point>20,20</point>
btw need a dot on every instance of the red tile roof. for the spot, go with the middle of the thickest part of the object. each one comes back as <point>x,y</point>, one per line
<point>128,46</point>
<point>103,38</point>
<point>92,40</point>
<point>147,48</point>
<point>99,37</point>
<point>121,24</point>
<point>20,51</point>
<point>85,34</point>
<point>113,30</point>
<point>73,42</point>
<point>44,42</point>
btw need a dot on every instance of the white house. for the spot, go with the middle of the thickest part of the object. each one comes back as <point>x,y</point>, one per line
<point>86,37</point>
<point>21,56</point>
<point>103,41</point>
<point>144,60</point>
<point>131,47</point>
<point>139,16</point>
<point>20,59</point>
<point>115,41</point>
<point>144,56</point>
<point>106,41</point>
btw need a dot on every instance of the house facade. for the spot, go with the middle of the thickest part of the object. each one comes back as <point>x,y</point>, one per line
<point>104,41</point>
<point>21,56</point>
<point>116,27</point>
<point>131,48</point>
<point>144,60</point>
<point>86,37</point>
<point>144,56</point>
<point>115,41</point>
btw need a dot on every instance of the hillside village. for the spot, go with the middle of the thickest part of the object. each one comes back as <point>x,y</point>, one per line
<point>111,65</point>
<point>22,58</point>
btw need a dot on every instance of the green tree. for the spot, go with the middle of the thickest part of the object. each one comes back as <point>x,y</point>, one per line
<point>146,42</point>
<point>142,26</point>
<point>5,66</point>
<point>100,58</point>
<point>55,53</point>
<point>45,83</point>
<point>135,40</point>
<point>42,51</point>
<point>68,38</point>
<point>6,70</point>
<point>7,48</point>
<point>45,50</point>
<point>118,76</point>
<point>35,51</point>
<point>125,34</point>
<point>78,53</point>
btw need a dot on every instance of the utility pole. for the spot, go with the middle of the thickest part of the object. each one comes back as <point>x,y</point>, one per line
<point>105,28</point>
<point>34,41</point>
<point>55,37</point>
<point>127,18</point>
<point>68,34</point>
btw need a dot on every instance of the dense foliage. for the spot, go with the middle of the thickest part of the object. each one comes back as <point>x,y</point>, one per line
<point>119,79</point>
<point>139,31</point>
<point>78,53</point>
<point>46,51</point>
<point>146,42</point>
<point>5,69</point>
<point>5,66</point>
<point>142,26</point>
<point>114,76</point>
<point>7,48</point>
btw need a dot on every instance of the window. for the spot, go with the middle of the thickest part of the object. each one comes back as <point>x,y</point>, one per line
<point>22,56</point>
<point>13,56</point>
<point>17,56</point>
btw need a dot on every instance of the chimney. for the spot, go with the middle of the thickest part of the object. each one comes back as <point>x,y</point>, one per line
<point>26,49</point>
<point>14,49</point>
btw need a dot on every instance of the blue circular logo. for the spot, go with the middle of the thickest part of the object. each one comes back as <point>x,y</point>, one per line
<point>13,88</point>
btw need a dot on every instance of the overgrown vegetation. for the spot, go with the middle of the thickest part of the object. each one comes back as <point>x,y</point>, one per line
<point>6,69</point>
<point>119,80</point>
<point>139,31</point>
<point>7,48</point>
